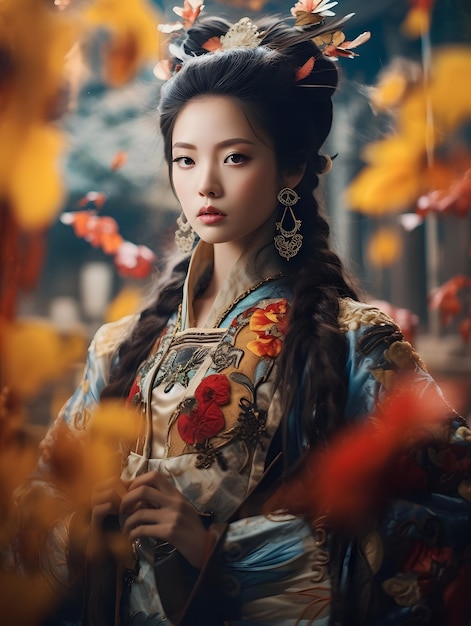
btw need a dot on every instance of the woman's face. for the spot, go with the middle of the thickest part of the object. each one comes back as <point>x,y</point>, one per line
<point>224,174</point>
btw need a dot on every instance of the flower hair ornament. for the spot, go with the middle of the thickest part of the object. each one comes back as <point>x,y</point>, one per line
<point>309,23</point>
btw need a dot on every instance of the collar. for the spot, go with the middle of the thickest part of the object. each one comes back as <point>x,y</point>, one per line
<point>258,263</point>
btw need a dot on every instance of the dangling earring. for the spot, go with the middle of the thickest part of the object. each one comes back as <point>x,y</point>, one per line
<point>184,235</point>
<point>289,242</point>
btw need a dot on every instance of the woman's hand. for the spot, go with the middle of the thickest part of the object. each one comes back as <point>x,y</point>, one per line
<point>155,508</point>
<point>105,502</point>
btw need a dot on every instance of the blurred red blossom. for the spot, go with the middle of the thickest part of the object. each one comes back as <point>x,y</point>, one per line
<point>134,261</point>
<point>103,232</point>
<point>455,199</point>
<point>445,299</point>
<point>365,463</point>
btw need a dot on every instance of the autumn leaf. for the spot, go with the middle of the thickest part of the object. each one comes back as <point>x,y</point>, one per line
<point>456,199</point>
<point>418,18</point>
<point>125,303</point>
<point>364,463</point>
<point>445,298</point>
<point>133,40</point>
<point>119,160</point>
<point>384,247</point>
<point>36,191</point>
<point>33,346</point>
<point>400,168</point>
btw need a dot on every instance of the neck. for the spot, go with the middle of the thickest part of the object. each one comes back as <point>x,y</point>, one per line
<point>225,257</point>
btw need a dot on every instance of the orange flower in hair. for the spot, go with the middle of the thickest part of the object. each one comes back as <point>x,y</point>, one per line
<point>190,11</point>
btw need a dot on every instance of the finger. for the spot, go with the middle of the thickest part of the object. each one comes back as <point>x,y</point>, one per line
<point>154,479</point>
<point>116,484</point>
<point>135,523</point>
<point>100,512</point>
<point>143,497</point>
<point>109,497</point>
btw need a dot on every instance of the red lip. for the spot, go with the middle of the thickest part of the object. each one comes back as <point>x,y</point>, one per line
<point>210,210</point>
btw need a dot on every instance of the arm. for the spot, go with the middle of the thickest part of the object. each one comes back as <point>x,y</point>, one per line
<point>412,559</point>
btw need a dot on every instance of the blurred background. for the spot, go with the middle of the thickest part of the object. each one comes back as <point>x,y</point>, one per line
<point>398,196</point>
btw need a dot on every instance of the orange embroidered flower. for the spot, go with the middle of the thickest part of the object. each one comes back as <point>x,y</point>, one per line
<point>270,325</point>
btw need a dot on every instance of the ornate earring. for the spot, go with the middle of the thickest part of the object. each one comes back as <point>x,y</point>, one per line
<point>289,242</point>
<point>184,235</point>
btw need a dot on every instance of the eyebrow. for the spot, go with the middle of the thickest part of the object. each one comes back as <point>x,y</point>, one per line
<point>222,144</point>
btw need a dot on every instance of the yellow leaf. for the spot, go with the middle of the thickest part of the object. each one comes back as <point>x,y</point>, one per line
<point>133,31</point>
<point>392,150</point>
<point>383,189</point>
<point>36,191</point>
<point>450,90</point>
<point>417,22</point>
<point>414,124</point>
<point>32,353</point>
<point>389,92</point>
<point>384,247</point>
<point>114,425</point>
<point>36,39</point>
<point>125,303</point>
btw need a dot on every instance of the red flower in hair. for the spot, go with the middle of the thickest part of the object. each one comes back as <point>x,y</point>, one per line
<point>206,419</point>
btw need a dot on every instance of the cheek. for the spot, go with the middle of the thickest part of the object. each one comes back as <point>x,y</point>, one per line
<point>259,185</point>
<point>179,187</point>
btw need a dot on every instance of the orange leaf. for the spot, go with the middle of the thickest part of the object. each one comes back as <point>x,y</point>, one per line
<point>384,247</point>
<point>119,159</point>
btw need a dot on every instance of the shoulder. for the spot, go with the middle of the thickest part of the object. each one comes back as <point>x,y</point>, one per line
<point>354,316</point>
<point>110,336</point>
<point>376,341</point>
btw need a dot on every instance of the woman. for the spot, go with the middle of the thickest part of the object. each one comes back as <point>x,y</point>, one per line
<point>253,351</point>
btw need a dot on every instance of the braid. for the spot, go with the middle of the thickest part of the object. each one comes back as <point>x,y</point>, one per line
<point>149,326</point>
<point>314,343</point>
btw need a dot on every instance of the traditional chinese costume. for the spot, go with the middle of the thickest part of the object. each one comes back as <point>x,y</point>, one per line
<point>212,417</point>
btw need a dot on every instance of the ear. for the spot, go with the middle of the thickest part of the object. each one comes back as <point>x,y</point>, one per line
<point>292,179</point>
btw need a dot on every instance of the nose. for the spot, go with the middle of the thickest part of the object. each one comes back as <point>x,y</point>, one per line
<point>209,184</point>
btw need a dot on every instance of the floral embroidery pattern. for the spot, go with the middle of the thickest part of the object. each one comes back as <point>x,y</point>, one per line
<point>270,325</point>
<point>207,455</point>
<point>251,423</point>
<point>205,420</point>
<point>177,368</point>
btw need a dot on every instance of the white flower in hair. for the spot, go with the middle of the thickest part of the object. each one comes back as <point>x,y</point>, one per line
<point>309,12</point>
<point>321,7</point>
<point>244,34</point>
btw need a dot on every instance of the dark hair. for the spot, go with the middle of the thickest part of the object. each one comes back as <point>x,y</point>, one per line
<point>297,116</point>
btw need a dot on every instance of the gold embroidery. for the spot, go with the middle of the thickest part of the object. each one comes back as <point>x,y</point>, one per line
<point>353,315</point>
<point>403,588</point>
<point>403,356</point>
<point>110,336</point>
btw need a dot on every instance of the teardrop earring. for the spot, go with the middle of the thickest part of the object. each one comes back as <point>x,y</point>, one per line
<point>288,242</point>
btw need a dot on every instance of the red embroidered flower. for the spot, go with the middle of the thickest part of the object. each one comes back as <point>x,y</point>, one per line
<point>206,420</point>
<point>270,325</point>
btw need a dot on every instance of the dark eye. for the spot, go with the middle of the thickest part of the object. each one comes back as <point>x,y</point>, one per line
<point>236,159</point>
<point>183,161</point>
